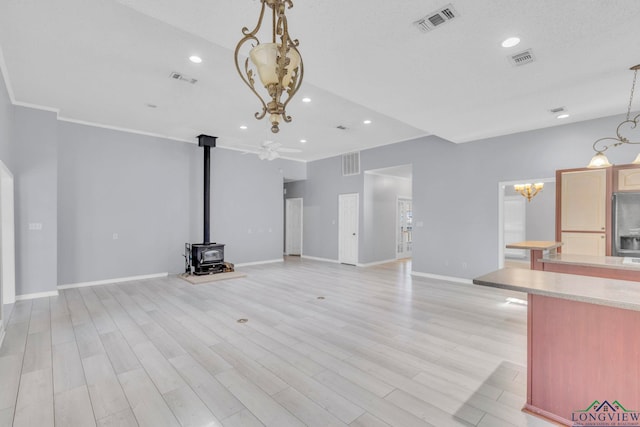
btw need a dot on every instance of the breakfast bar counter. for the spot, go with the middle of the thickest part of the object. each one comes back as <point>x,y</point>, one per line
<point>597,266</point>
<point>583,344</point>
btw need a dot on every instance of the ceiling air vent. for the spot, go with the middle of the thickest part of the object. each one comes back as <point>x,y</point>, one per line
<point>436,18</point>
<point>522,58</point>
<point>341,127</point>
<point>351,164</point>
<point>182,78</point>
<point>557,110</point>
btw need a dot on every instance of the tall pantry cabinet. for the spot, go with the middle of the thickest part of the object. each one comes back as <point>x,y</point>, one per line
<point>583,211</point>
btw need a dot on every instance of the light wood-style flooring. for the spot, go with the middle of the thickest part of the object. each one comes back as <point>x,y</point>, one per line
<point>324,345</point>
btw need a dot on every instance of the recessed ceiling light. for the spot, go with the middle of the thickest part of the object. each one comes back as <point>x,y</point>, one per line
<point>243,127</point>
<point>367,122</point>
<point>562,116</point>
<point>511,42</point>
<point>195,59</point>
<point>307,100</point>
<point>303,141</point>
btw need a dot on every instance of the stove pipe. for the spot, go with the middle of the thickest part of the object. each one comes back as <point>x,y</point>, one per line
<point>207,142</point>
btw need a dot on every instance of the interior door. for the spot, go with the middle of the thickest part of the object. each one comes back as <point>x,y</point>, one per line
<point>293,227</point>
<point>348,205</point>
<point>404,221</point>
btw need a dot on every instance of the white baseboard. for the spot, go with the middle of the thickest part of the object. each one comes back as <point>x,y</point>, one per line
<point>36,295</point>
<point>111,281</point>
<point>371,264</point>
<point>315,258</point>
<point>269,261</point>
<point>439,277</point>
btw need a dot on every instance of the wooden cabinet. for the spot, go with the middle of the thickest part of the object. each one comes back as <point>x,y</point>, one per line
<point>627,178</point>
<point>583,214</point>
<point>584,243</point>
<point>584,200</point>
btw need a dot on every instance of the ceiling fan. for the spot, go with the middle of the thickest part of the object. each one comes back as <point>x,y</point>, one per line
<point>270,150</point>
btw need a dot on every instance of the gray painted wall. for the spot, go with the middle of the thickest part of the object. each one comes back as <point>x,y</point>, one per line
<point>320,193</point>
<point>380,204</point>
<point>35,170</point>
<point>148,191</point>
<point>541,214</point>
<point>247,211</point>
<point>116,183</point>
<point>455,200</point>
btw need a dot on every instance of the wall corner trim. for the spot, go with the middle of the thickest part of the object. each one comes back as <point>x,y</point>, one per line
<point>2,332</point>
<point>268,261</point>
<point>314,258</point>
<point>5,75</point>
<point>111,281</point>
<point>36,295</point>
<point>439,277</point>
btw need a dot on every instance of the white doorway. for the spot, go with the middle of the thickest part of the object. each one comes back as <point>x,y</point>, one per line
<point>515,220</point>
<point>538,218</point>
<point>348,211</point>
<point>293,227</point>
<point>404,228</point>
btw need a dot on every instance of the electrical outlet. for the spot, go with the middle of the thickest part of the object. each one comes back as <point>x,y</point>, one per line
<point>115,236</point>
<point>35,226</point>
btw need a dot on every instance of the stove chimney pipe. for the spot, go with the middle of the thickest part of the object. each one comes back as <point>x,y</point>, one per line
<point>207,142</point>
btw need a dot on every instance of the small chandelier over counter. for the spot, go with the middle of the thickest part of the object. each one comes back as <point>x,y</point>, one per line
<point>278,63</point>
<point>529,190</point>
<point>599,160</point>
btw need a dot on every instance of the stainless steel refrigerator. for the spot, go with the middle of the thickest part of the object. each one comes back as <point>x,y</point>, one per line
<point>626,225</point>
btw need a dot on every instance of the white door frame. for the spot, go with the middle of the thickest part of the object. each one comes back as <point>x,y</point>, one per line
<point>521,201</point>
<point>357,227</point>
<point>287,207</point>
<point>501,187</point>
<point>7,243</point>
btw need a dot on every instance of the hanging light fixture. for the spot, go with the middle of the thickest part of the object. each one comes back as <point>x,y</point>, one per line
<point>278,63</point>
<point>599,160</point>
<point>529,190</point>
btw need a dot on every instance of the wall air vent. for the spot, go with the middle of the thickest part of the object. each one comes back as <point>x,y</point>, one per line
<point>351,164</point>
<point>436,18</point>
<point>182,78</point>
<point>522,58</point>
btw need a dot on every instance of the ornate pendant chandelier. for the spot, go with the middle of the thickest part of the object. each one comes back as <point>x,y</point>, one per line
<point>529,191</point>
<point>278,63</point>
<point>599,160</point>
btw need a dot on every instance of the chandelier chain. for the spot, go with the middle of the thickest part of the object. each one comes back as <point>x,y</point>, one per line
<point>633,88</point>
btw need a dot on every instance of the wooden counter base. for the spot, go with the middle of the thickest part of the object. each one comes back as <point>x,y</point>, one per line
<point>578,353</point>
<point>583,347</point>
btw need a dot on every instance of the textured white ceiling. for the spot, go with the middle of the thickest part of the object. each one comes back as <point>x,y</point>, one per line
<point>102,61</point>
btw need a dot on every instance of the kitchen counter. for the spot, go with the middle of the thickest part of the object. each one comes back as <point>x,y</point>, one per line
<point>624,263</point>
<point>592,290</point>
<point>535,245</point>
<point>536,249</point>
<point>582,341</point>
<point>597,266</point>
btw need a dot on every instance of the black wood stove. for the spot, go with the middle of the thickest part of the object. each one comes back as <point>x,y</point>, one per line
<point>206,257</point>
